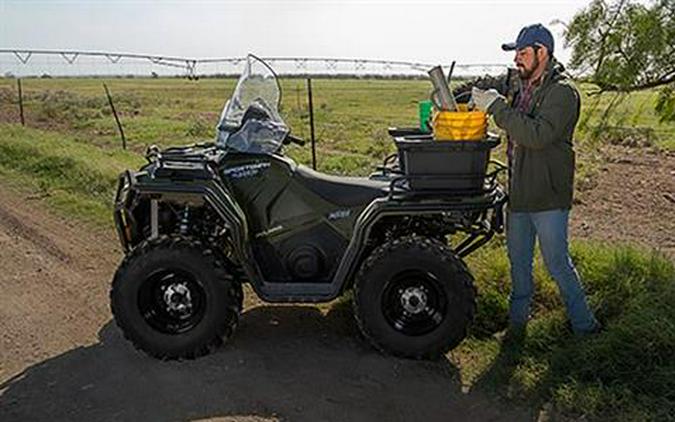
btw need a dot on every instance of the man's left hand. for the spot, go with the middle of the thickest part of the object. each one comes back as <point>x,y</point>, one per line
<point>483,99</point>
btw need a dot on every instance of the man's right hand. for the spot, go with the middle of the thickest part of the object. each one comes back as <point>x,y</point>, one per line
<point>482,99</point>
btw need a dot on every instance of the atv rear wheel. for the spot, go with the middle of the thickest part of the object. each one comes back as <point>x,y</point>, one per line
<point>414,298</point>
<point>174,297</point>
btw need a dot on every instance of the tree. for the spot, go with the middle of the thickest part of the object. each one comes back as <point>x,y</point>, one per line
<point>626,46</point>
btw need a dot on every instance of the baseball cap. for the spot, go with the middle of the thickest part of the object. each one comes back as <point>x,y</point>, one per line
<point>529,36</point>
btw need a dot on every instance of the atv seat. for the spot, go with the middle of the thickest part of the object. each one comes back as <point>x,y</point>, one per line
<point>339,190</point>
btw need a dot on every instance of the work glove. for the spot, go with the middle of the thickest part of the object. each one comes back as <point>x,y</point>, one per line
<point>482,99</point>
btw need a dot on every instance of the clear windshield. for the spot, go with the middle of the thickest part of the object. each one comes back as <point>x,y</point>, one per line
<point>250,121</point>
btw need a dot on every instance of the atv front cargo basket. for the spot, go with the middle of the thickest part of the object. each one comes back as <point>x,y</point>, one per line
<point>459,166</point>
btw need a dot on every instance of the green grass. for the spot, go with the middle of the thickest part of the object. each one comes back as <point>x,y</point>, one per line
<point>350,115</point>
<point>626,373</point>
<point>631,117</point>
<point>76,178</point>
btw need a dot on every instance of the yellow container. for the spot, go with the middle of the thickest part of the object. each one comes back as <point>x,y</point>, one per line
<point>462,125</point>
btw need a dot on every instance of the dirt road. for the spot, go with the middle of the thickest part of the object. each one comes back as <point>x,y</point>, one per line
<point>62,358</point>
<point>630,199</point>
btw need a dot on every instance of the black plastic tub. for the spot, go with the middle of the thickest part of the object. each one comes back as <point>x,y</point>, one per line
<point>444,165</point>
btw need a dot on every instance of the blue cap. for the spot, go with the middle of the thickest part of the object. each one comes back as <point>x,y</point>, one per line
<point>531,35</point>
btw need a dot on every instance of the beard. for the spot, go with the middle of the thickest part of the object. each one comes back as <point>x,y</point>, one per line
<point>525,73</point>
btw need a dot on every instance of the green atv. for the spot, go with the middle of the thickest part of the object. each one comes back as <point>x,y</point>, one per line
<point>198,222</point>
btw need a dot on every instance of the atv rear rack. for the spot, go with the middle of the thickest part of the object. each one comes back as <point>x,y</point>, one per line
<point>399,186</point>
<point>480,216</point>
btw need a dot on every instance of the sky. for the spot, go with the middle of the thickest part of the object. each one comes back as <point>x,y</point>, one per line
<point>421,31</point>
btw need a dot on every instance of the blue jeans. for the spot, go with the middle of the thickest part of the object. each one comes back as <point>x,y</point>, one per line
<point>550,227</point>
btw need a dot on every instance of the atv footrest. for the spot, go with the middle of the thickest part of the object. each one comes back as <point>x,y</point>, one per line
<point>297,292</point>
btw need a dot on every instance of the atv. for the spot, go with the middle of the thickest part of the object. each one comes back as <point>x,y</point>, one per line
<point>198,222</point>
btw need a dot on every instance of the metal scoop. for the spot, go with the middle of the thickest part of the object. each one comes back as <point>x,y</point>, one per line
<point>441,96</point>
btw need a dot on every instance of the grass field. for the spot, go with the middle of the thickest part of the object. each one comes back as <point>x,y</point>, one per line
<point>70,154</point>
<point>351,116</point>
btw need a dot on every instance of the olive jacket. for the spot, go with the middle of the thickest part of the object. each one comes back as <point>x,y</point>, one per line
<point>542,164</point>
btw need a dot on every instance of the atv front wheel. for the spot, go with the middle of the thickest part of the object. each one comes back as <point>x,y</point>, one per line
<point>174,297</point>
<point>414,298</point>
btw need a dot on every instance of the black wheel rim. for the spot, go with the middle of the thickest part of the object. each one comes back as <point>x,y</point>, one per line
<point>414,303</point>
<point>172,301</point>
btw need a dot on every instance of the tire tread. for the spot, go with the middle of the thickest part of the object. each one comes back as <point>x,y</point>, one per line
<point>180,243</point>
<point>444,253</point>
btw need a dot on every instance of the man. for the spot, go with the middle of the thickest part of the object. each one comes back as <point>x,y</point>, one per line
<point>539,122</point>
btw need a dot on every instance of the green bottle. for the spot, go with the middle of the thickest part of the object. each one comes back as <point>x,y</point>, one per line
<point>425,115</point>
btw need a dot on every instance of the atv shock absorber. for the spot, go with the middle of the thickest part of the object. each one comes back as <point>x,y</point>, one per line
<point>184,221</point>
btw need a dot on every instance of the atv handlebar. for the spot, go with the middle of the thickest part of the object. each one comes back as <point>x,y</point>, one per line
<point>290,139</point>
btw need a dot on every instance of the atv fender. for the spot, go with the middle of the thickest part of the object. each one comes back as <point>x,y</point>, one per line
<point>384,207</point>
<point>202,191</point>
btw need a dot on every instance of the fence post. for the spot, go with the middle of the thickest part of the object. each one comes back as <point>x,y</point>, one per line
<point>117,119</point>
<point>23,121</point>
<point>311,121</point>
<point>297,97</point>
